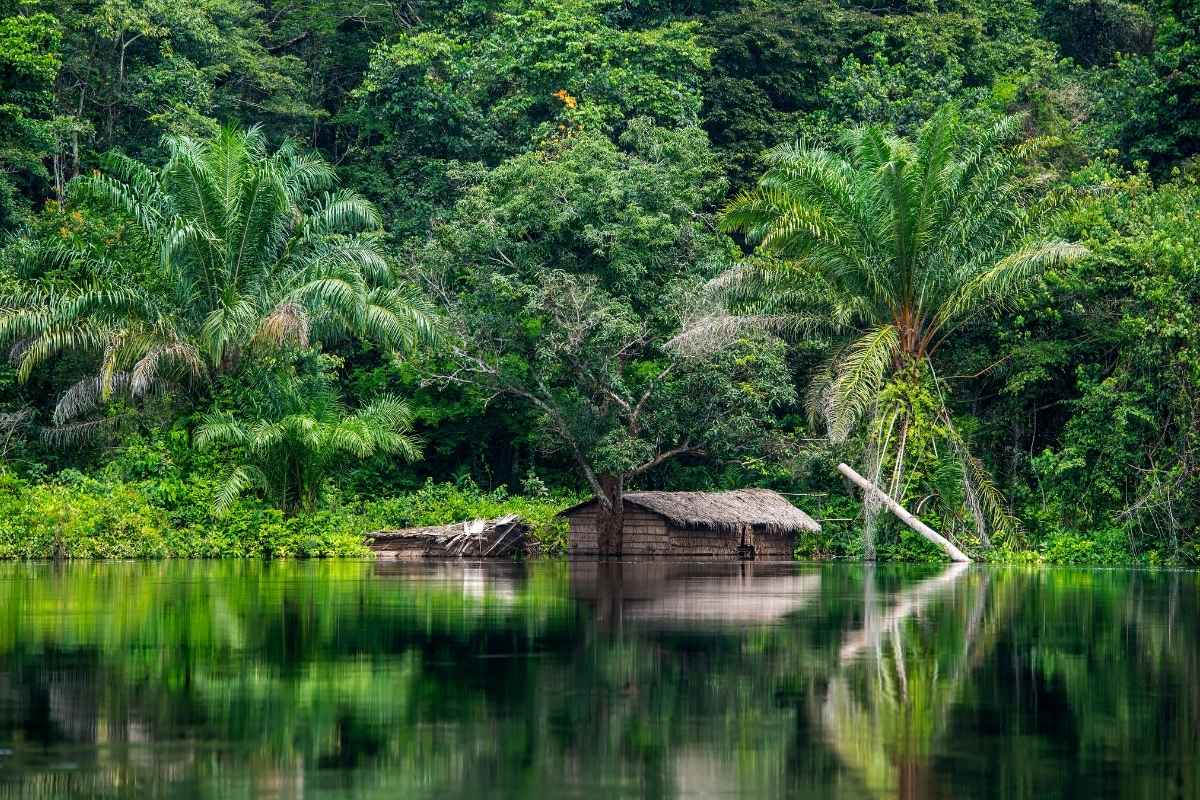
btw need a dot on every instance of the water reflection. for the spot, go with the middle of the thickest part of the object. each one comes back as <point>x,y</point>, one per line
<point>198,680</point>
<point>698,596</point>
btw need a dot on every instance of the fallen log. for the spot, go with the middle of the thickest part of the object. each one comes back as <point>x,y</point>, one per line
<point>903,515</point>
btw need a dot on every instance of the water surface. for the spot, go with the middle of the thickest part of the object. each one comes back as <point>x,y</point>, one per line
<point>363,680</point>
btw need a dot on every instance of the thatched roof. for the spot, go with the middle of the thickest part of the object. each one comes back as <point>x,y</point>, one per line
<point>415,533</point>
<point>764,509</point>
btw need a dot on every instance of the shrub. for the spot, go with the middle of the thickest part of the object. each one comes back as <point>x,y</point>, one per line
<point>1105,547</point>
<point>78,517</point>
<point>142,507</point>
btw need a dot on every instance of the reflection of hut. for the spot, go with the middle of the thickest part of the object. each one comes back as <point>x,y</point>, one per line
<point>710,595</point>
<point>747,523</point>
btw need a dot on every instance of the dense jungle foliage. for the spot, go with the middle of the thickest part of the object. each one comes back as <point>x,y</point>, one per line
<point>272,273</point>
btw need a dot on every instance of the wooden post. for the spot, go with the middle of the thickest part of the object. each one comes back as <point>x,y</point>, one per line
<point>905,517</point>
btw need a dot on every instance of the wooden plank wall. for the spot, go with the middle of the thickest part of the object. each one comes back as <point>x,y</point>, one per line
<point>704,543</point>
<point>645,534</point>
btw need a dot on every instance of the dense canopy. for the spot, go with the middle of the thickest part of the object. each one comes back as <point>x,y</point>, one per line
<point>263,264</point>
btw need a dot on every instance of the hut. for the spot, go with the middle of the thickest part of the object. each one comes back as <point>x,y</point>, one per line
<point>746,523</point>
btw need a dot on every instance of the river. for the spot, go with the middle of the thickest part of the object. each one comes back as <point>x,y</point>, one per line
<point>547,680</point>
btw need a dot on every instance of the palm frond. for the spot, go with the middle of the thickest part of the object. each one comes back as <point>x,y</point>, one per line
<point>858,377</point>
<point>220,429</point>
<point>241,479</point>
<point>287,322</point>
<point>1008,276</point>
<point>86,395</point>
<point>343,211</point>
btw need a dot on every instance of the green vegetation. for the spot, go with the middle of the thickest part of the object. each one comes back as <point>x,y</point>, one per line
<point>155,512</point>
<point>314,257</point>
<point>900,245</point>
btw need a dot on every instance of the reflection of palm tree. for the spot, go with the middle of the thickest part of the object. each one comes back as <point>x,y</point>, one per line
<point>884,713</point>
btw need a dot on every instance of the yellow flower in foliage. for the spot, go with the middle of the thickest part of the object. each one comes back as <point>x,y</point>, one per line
<point>566,98</point>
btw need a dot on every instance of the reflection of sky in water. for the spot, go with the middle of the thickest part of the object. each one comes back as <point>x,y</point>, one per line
<point>354,679</point>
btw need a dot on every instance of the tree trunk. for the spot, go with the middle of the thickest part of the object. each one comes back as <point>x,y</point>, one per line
<point>904,516</point>
<point>611,521</point>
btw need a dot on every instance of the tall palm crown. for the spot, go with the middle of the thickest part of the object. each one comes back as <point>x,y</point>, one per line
<point>251,246</point>
<point>894,244</point>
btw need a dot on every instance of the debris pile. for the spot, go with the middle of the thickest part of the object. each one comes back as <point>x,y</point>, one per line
<point>505,537</point>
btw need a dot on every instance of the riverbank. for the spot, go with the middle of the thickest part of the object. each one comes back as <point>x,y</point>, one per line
<point>86,517</point>
<point>81,516</point>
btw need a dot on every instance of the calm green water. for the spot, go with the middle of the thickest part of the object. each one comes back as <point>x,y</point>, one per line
<point>339,680</point>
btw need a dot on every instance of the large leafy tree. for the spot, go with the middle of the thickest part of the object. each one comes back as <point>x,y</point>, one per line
<point>893,246</point>
<point>135,69</point>
<point>1101,386</point>
<point>484,85</point>
<point>565,272</point>
<point>244,247</point>
<point>1148,106</point>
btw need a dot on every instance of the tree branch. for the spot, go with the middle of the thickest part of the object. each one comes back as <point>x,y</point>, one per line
<point>666,455</point>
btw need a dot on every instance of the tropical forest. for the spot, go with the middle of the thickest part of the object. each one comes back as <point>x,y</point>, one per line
<point>276,274</point>
<point>599,399</point>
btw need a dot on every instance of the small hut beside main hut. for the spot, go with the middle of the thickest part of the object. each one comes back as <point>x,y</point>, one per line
<point>746,523</point>
<point>506,537</point>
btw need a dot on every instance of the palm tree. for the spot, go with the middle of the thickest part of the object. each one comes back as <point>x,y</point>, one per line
<point>291,446</point>
<point>892,246</point>
<point>249,247</point>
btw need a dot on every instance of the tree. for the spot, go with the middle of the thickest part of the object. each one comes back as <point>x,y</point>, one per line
<point>29,65</point>
<point>482,87</point>
<point>1148,106</point>
<point>564,273</point>
<point>244,247</point>
<point>899,244</point>
<point>298,433</point>
<point>769,64</point>
<point>136,69</point>
<point>1105,370</point>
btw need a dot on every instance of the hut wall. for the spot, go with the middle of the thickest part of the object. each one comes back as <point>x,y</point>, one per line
<point>415,547</point>
<point>645,533</point>
<point>584,535</point>
<point>703,543</point>
<point>774,547</point>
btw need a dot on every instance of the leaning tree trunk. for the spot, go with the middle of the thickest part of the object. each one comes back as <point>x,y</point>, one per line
<point>903,515</point>
<point>610,523</point>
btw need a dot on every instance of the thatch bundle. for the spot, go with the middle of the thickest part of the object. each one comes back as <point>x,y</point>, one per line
<point>764,510</point>
<point>497,538</point>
